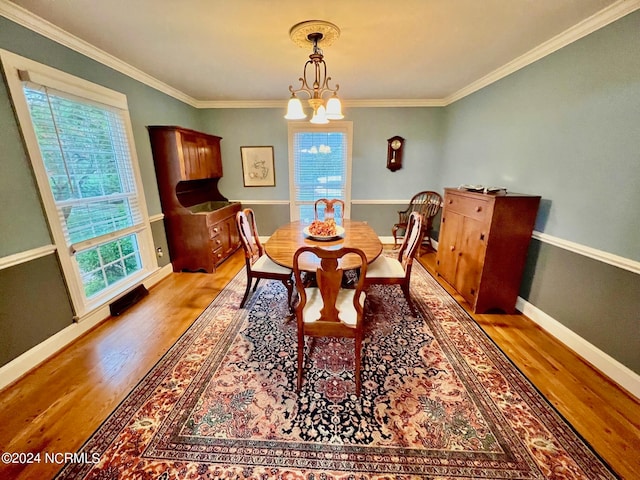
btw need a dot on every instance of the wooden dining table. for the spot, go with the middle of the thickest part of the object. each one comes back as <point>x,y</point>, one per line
<point>286,240</point>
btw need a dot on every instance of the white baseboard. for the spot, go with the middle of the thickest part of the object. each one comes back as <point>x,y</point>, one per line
<point>609,366</point>
<point>33,357</point>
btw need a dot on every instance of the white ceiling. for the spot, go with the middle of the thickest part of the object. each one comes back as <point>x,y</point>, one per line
<point>403,50</point>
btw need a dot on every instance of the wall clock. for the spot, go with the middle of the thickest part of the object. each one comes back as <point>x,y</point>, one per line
<point>394,153</point>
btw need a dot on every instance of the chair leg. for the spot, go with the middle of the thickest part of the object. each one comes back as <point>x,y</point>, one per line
<point>394,232</point>
<point>358,342</point>
<point>300,356</point>
<point>407,296</point>
<point>246,291</point>
<point>255,286</point>
<point>289,285</point>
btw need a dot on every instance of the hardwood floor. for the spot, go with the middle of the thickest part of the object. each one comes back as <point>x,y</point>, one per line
<point>58,405</point>
<point>607,416</point>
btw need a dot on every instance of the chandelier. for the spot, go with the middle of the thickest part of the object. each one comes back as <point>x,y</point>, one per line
<point>315,32</point>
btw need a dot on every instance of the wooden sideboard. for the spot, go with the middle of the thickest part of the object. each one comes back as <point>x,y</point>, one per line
<point>199,220</point>
<point>483,244</point>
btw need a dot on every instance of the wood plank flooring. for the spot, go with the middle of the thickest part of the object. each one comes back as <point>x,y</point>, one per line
<point>58,405</point>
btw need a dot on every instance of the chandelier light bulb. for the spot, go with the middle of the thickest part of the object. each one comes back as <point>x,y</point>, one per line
<point>334,108</point>
<point>294,109</point>
<point>320,116</point>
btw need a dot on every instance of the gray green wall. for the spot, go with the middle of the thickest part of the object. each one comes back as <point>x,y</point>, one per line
<point>33,301</point>
<point>371,180</point>
<point>371,127</point>
<point>566,127</point>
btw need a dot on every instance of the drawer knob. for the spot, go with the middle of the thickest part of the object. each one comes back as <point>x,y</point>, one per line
<point>478,208</point>
<point>452,247</point>
<point>450,201</point>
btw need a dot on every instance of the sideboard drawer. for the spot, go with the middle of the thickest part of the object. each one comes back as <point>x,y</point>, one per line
<point>214,231</point>
<point>469,207</point>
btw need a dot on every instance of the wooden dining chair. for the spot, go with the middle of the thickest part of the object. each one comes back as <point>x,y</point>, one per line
<point>397,271</point>
<point>258,264</point>
<point>427,204</point>
<point>329,309</point>
<point>329,208</point>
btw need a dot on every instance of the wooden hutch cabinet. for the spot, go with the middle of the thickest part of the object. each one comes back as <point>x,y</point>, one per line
<point>483,244</point>
<point>199,220</point>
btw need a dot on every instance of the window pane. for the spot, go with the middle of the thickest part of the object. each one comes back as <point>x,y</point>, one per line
<point>85,154</point>
<point>319,169</point>
<point>108,263</point>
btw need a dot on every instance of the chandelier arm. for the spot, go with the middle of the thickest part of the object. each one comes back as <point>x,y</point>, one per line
<point>321,85</point>
<point>304,85</point>
<point>325,83</point>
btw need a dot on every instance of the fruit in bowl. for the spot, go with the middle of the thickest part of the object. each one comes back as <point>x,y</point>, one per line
<point>325,228</point>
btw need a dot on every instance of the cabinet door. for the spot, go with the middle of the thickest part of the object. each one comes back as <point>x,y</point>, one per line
<point>201,157</point>
<point>211,159</point>
<point>471,245</point>
<point>448,246</point>
<point>234,236</point>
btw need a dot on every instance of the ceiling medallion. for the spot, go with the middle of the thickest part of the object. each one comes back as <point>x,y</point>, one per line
<point>300,33</point>
<point>315,33</point>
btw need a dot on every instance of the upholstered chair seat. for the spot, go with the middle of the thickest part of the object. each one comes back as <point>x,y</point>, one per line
<point>265,265</point>
<point>344,304</point>
<point>385,267</point>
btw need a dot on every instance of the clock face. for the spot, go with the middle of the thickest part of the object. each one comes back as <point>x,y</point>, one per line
<point>396,144</point>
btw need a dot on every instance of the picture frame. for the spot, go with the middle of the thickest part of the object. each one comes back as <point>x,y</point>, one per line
<point>257,166</point>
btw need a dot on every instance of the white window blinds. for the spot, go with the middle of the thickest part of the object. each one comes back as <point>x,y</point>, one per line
<point>85,152</point>
<point>320,161</point>
<point>80,143</point>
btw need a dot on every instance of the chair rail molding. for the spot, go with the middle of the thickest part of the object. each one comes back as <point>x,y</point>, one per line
<point>393,201</point>
<point>261,202</point>
<point>600,255</point>
<point>26,256</point>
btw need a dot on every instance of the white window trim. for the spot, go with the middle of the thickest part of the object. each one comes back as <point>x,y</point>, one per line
<point>296,127</point>
<point>13,65</point>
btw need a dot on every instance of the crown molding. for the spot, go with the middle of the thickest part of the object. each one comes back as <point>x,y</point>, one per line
<point>23,17</point>
<point>589,25</point>
<point>380,103</point>
<point>36,24</point>
<point>242,103</point>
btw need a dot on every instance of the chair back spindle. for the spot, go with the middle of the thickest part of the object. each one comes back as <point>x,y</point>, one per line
<point>329,208</point>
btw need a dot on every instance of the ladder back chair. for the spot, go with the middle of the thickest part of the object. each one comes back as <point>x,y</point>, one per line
<point>397,271</point>
<point>329,208</point>
<point>329,309</point>
<point>258,264</point>
<point>427,204</point>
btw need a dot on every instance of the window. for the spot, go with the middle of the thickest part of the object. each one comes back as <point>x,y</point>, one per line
<point>319,166</point>
<point>79,139</point>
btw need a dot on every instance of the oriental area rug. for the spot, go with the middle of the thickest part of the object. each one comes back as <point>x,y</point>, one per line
<point>439,401</point>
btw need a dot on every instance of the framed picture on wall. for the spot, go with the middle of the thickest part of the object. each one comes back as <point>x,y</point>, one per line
<point>257,166</point>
